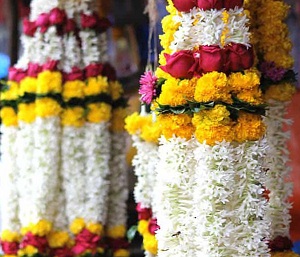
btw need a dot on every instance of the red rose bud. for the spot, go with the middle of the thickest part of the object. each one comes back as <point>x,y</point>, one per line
<point>238,57</point>
<point>184,5</point>
<point>10,248</point>
<point>211,58</point>
<point>210,4</point>
<point>86,236</point>
<point>143,213</point>
<point>29,27</point>
<point>38,242</point>
<point>57,16</point>
<point>280,244</point>
<point>231,4</point>
<point>109,72</point>
<point>15,74</point>
<point>43,22</point>
<point>70,26</point>
<point>153,227</point>
<point>180,64</point>
<point>93,70</point>
<point>50,65</point>
<point>33,69</point>
<point>89,21</point>
<point>75,74</point>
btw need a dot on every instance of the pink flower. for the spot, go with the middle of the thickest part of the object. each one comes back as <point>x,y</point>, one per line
<point>57,16</point>
<point>89,21</point>
<point>43,22</point>
<point>33,69</point>
<point>16,74</point>
<point>38,242</point>
<point>50,65</point>
<point>10,248</point>
<point>152,226</point>
<point>85,240</point>
<point>210,4</point>
<point>93,69</point>
<point>143,213</point>
<point>147,87</point>
<point>272,72</point>
<point>29,27</point>
<point>75,74</point>
<point>69,26</point>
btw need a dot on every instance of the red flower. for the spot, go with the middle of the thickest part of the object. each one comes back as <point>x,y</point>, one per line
<point>57,16</point>
<point>29,27</point>
<point>152,226</point>
<point>184,5</point>
<point>210,4</point>
<point>211,58</point>
<point>238,57</point>
<point>85,240</point>
<point>280,243</point>
<point>50,65</point>
<point>70,26</point>
<point>38,242</point>
<point>43,22</point>
<point>16,74</point>
<point>75,74</point>
<point>89,21</point>
<point>180,64</point>
<point>109,72</point>
<point>93,70</point>
<point>143,213</point>
<point>10,248</point>
<point>62,252</point>
<point>33,69</point>
<point>231,4</point>
<point>117,243</point>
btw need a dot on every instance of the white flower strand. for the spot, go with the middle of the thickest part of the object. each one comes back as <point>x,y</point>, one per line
<point>229,206</point>
<point>90,47</point>
<point>8,176</point>
<point>118,192</point>
<point>97,145</point>
<point>278,172</point>
<point>173,202</point>
<point>144,163</point>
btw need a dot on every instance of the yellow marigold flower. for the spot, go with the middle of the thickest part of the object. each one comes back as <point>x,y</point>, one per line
<point>177,92</point>
<point>9,255</point>
<point>98,112</point>
<point>42,228</point>
<point>96,85</point>
<point>281,92</point>
<point>219,115</point>
<point>171,8</point>
<point>49,82</point>
<point>10,236</point>
<point>28,85</point>
<point>73,117</point>
<point>118,119</point>
<point>116,90</point>
<point>9,116</point>
<point>151,132</point>
<point>77,226</point>
<point>58,239</point>
<point>116,231</point>
<point>29,250</point>
<point>143,226</point>
<point>284,254</point>
<point>252,96</point>
<point>73,89</point>
<point>95,228</point>
<point>12,92</point>
<point>212,86</point>
<point>249,127</point>
<point>150,243</point>
<point>26,112</point>
<point>134,123</point>
<point>178,125</point>
<point>46,107</point>
<point>243,81</point>
<point>121,253</point>
<point>159,73</point>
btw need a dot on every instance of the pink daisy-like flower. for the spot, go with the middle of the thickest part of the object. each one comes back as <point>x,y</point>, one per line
<point>148,87</point>
<point>272,72</point>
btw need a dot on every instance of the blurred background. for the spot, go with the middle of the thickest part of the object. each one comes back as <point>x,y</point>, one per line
<point>128,49</point>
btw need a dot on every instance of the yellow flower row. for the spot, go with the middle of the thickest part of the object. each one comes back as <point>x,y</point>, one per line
<point>79,224</point>
<point>149,240</point>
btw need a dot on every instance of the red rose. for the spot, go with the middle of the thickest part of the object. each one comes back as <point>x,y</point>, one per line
<point>75,74</point>
<point>238,57</point>
<point>184,5</point>
<point>29,27</point>
<point>85,240</point>
<point>15,74</point>
<point>280,244</point>
<point>57,16</point>
<point>231,4</point>
<point>38,242</point>
<point>70,26</point>
<point>10,248</point>
<point>50,65</point>
<point>109,72</point>
<point>210,4</point>
<point>117,243</point>
<point>89,21</point>
<point>93,70</point>
<point>152,226</point>
<point>33,69</point>
<point>211,58</point>
<point>43,22</point>
<point>180,64</point>
<point>143,213</point>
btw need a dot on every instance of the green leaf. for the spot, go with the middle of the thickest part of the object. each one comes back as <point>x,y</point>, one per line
<point>131,233</point>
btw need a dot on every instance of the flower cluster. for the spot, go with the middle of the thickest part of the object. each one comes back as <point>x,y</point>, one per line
<point>116,241</point>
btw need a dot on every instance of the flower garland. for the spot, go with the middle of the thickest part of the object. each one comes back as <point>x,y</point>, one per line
<point>275,63</point>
